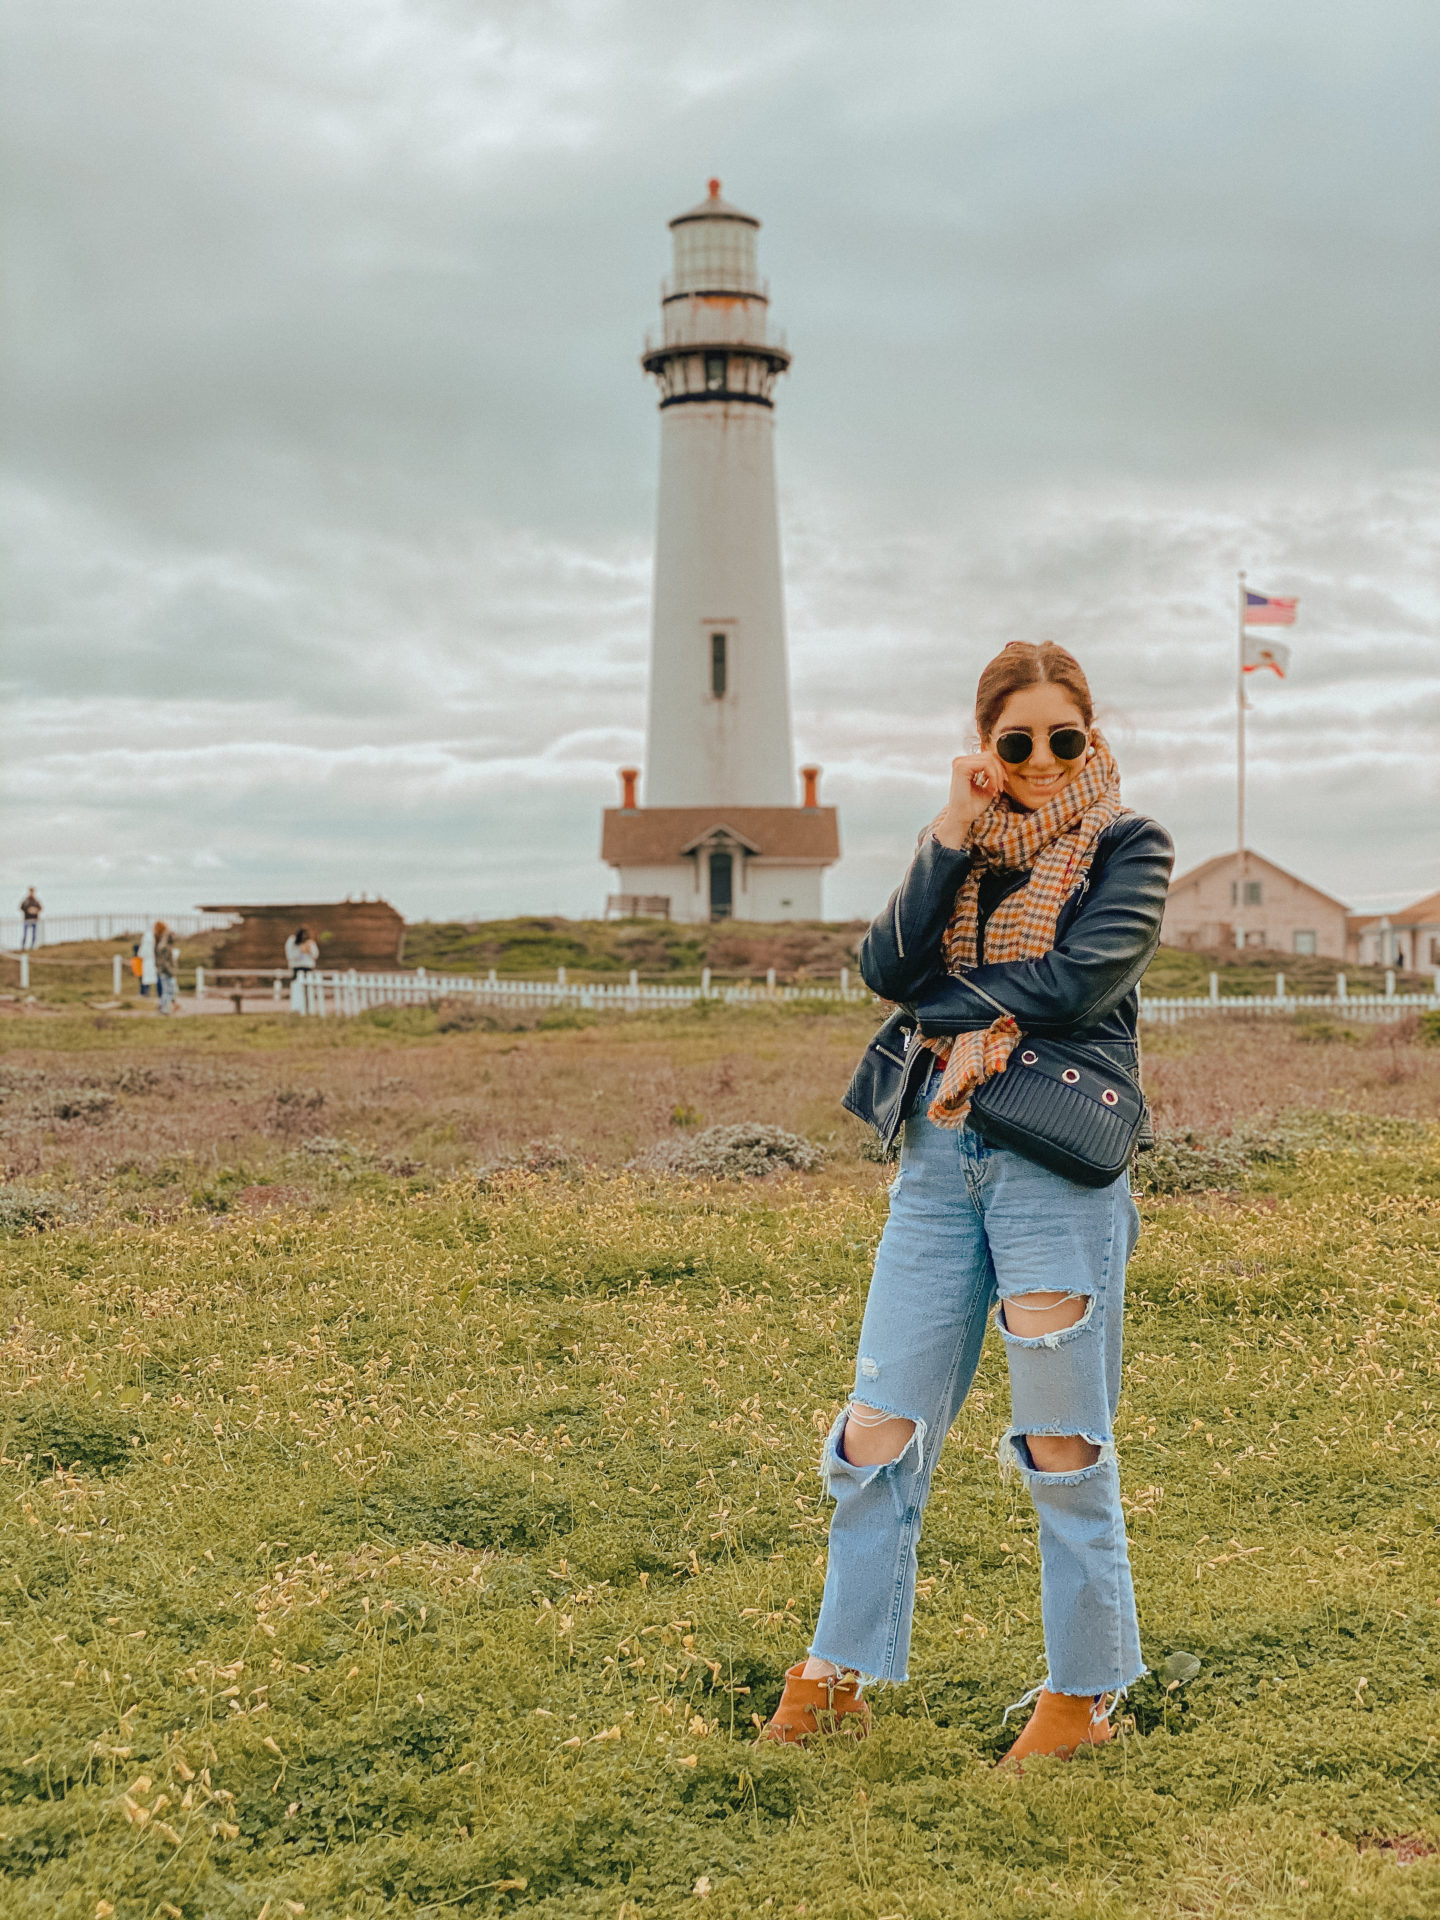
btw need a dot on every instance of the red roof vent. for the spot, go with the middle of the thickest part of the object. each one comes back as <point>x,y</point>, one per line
<point>714,189</point>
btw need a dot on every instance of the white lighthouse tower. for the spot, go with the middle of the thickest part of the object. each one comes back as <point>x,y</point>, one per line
<point>719,833</point>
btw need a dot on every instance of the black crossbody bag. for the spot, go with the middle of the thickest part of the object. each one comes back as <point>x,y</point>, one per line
<point>1063,1105</point>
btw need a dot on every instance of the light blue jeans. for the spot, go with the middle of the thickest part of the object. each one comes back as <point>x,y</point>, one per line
<point>970,1226</point>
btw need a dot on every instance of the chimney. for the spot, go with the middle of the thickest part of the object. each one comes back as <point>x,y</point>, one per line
<point>628,777</point>
<point>811,777</point>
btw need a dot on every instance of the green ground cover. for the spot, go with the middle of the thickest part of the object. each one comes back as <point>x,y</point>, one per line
<point>656,949</point>
<point>432,1553</point>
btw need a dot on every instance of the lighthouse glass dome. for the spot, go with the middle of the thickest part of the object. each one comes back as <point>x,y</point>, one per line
<point>715,254</point>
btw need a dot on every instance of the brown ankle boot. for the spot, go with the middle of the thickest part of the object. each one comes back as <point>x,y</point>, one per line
<point>1059,1724</point>
<point>828,1705</point>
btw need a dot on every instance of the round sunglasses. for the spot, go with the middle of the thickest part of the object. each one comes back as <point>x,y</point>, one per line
<point>1016,744</point>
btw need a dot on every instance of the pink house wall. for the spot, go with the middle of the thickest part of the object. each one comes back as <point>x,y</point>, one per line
<point>1202,911</point>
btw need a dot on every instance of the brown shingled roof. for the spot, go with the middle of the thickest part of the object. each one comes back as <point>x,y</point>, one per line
<point>1421,914</point>
<point>659,836</point>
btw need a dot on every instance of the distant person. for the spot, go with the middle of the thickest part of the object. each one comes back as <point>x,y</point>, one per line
<point>302,956</point>
<point>146,954</point>
<point>30,912</point>
<point>1028,914</point>
<point>167,965</point>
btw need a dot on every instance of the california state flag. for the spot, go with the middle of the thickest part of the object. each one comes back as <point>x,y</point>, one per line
<point>1273,654</point>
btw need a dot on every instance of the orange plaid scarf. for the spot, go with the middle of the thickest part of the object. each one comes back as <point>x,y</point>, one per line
<point>1056,843</point>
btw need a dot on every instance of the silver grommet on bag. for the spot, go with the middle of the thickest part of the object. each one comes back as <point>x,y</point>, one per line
<point>1070,1077</point>
<point>1110,1097</point>
<point>1029,1057</point>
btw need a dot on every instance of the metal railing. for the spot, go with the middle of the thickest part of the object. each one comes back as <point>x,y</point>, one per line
<point>52,929</point>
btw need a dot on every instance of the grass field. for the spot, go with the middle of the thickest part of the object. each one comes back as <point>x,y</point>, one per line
<point>383,1541</point>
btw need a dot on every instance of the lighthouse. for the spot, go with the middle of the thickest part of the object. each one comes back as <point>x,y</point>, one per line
<point>712,831</point>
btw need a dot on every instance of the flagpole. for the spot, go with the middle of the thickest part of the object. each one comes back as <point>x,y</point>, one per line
<point>1239,763</point>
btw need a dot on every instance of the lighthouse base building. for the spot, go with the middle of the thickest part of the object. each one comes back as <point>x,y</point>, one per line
<point>720,863</point>
<point>719,836</point>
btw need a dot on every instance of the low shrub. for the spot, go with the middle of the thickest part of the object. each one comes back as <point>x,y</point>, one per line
<point>326,1146</point>
<point>566,1019</point>
<point>1195,1160</point>
<point>459,1016</point>
<point>748,1151</point>
<point>29,1210</point>
<point>1318,1029</point>
<point>537,1156</point>
<point>90,1104</point>
<point>872,1147</point>
<point>413,1021</point>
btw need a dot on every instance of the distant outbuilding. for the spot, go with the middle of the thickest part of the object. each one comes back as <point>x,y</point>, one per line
<point>1409,937</point>
<point>367,934</point>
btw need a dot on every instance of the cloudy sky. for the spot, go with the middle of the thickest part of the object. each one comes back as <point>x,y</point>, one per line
<point>329,469</point>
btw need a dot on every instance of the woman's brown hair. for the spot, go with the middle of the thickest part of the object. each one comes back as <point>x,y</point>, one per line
<point>1025,664</point>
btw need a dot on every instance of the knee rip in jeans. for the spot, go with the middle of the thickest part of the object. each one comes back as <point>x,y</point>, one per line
<point>908,1444</point>
<point>1045,1319</point>
<point>1018,1454</point>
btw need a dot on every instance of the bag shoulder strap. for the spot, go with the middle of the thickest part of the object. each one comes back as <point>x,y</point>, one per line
<point>989,999</point>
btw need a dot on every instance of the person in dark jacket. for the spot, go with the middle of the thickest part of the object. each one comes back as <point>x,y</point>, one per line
<point>1032,907</point>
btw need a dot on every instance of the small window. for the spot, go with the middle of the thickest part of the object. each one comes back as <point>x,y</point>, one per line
<point>719,664</point>
<point>1252,893</point>
<point>1306,942</point>
<point>715,364</point>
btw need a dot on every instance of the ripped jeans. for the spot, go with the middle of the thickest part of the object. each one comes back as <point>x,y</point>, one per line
<point>971,1225</point>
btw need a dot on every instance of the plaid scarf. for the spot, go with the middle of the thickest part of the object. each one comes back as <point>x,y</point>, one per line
<point>1056,844</point>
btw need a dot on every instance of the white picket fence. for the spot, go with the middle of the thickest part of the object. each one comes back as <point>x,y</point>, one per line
<point>1350,1006</point>
<point>331,992</point>
<point>323,992</point>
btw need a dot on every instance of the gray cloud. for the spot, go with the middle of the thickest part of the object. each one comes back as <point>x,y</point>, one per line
<point>329,469</point>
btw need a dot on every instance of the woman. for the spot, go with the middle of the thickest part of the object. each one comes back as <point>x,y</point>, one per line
<point>167,962</point>
<point>1037,887</point>
<point>301,953</point>
<point>302,956</point>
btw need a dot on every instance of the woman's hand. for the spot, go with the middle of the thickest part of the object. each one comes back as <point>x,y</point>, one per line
<point>976,781</point>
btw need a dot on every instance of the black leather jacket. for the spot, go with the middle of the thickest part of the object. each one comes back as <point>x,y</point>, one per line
<point>1084,989</point>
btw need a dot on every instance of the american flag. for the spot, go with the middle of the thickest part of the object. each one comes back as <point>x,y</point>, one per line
<point>1264,610</point>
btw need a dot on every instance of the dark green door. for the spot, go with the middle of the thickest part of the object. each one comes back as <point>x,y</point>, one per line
<point>722,896</point>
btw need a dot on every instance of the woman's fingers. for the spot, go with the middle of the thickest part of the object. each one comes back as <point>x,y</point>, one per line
<point>995,768</point>
<point>976,782</point>
<point>981,772</point>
